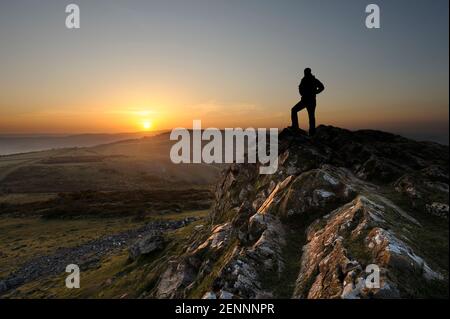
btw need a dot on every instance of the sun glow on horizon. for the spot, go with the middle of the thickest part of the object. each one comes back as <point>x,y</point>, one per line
<point>147,125</point>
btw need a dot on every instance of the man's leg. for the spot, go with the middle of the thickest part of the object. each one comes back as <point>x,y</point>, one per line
<point>312,118</point>
<point>297,108</point>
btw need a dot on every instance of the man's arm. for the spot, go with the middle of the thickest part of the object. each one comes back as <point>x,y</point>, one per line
<point>320,87</point>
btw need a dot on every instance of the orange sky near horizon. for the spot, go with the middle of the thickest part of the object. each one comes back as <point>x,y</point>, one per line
<point>117,108</point>
<point>143,118</point>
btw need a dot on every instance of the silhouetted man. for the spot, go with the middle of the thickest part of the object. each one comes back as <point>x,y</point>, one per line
<point>309,87</point>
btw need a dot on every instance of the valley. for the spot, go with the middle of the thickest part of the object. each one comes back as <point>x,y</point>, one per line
<point>88,206</point>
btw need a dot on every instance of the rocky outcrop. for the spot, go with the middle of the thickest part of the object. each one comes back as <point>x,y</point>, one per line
<point>150,242</point>
<point>427,189</point>
<point>347,215</point>
<point>353,237</point>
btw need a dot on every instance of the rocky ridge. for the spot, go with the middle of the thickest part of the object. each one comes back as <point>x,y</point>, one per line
<point>339,203</point>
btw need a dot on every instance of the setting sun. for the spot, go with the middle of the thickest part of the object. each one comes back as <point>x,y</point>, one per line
<point>147,125</point>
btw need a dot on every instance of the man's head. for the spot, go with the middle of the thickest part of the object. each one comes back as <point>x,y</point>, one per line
<point>308,72</point>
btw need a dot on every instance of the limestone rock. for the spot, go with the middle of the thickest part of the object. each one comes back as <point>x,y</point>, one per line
<point>150,242</point>
<point>346,215</point>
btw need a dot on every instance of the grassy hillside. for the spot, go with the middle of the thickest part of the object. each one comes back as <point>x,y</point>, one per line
<point>61,203</point>
<point>131,164</point>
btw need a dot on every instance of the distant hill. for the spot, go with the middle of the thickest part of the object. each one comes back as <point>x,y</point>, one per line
<point>139,163</point>
<point>22,143</point>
